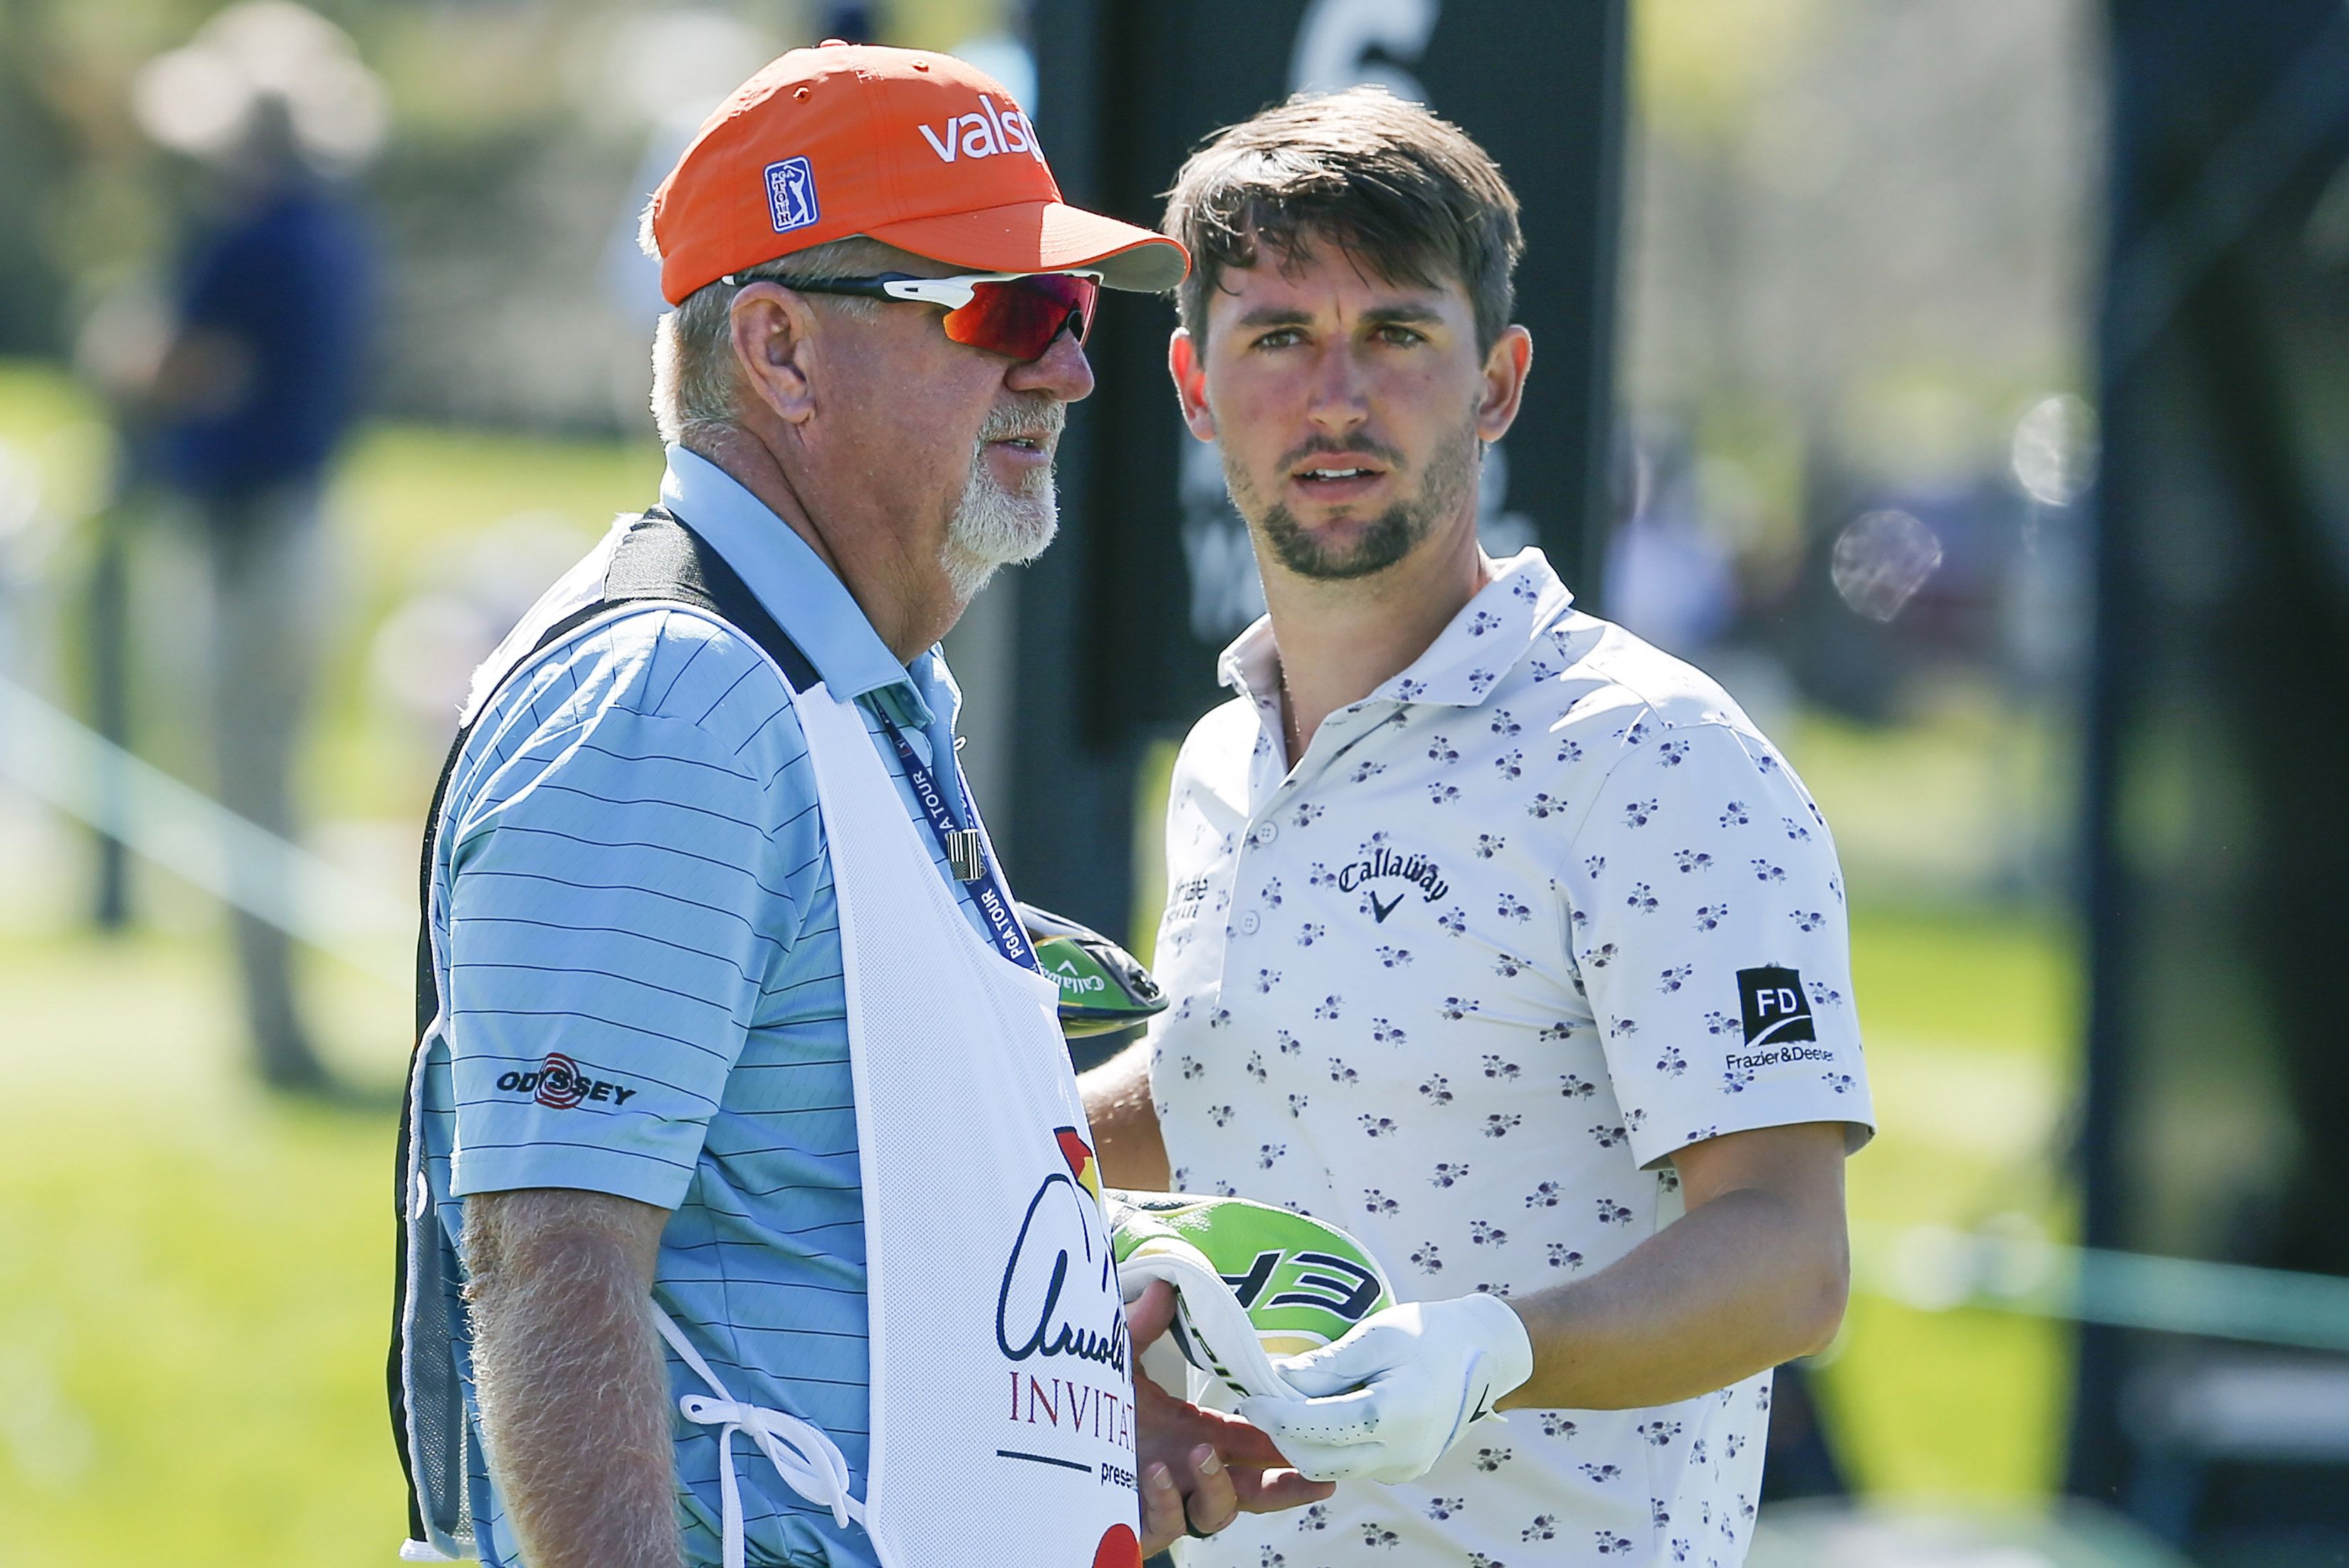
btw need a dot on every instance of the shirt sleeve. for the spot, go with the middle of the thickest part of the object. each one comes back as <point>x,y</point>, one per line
<point>614,899</point>
<point>1707,913</point>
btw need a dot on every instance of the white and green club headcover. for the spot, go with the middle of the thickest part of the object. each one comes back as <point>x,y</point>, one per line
<point>1251,1282</point>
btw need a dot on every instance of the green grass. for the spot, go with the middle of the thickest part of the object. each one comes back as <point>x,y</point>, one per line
<point>1968,1020</point>
<point>196,1281</point>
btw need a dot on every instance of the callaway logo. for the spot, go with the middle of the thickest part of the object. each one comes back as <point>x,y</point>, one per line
<point>983,135</point>
<point>1384,864</point>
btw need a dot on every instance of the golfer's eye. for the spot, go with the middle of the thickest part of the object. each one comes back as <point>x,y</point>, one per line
<point>1280,337</point>
<point>1400,336</point>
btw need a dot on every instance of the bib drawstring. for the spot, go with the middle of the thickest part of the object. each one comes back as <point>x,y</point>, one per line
<point>810,1462</point>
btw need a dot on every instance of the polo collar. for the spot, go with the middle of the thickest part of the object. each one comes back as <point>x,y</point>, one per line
<point>792,583</point>
<point>1483,643</point>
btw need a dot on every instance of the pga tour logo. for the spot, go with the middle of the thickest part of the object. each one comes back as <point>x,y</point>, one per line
<point>791,194</point>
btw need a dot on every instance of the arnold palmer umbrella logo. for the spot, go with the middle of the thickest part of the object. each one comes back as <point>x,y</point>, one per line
<point>1058,1295</point>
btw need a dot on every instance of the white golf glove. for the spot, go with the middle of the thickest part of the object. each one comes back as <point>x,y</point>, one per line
<point>1386,1401</point>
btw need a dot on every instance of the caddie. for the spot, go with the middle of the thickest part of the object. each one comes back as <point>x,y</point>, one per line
<point>745,1172</point>
<point>1494,934</point>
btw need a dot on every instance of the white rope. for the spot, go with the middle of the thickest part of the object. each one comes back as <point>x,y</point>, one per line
<point>1934,1268</point>
<point>65,762</point>
<point>810,1462</point>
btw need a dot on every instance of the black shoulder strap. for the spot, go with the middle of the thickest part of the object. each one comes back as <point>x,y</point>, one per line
<point>659,559</point>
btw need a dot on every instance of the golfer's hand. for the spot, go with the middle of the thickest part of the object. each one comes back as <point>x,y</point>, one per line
<point>1199,1469</point>
<point>1388,1399</point>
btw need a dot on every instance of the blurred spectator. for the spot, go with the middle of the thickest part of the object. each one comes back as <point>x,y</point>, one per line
<point>1669,576</point>
<point>252,386</point>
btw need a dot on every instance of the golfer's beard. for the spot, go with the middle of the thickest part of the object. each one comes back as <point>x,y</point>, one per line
<point>993,527</point>
<point>1378,544</point>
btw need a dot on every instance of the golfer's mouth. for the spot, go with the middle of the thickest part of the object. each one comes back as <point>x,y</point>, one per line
<point>1340,477</point>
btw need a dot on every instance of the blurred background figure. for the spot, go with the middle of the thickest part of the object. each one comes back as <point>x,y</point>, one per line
<point>233,404</point>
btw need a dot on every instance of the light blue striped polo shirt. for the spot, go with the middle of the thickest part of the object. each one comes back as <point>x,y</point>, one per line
<point>631,873</point>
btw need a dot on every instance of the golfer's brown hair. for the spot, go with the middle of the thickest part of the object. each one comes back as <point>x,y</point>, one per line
<point>1409,195</point>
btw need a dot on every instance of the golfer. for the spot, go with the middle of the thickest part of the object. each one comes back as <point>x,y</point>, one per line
<point>751,1216</point>
<point>1494,934</point>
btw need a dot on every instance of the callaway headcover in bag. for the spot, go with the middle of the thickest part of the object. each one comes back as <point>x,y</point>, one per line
<point>1251,1282</point>
<point>1102,986</point>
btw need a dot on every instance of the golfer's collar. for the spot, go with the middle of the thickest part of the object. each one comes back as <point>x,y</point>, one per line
<point>1461,667</point>
<point>792,583</point>
<point>1250,666</point>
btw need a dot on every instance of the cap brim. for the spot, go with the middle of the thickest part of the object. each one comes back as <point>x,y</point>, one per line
<point>1044,237</point>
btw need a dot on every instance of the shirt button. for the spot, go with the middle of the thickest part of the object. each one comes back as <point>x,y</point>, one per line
<point>1267,831</point>
<point>1250,923</point>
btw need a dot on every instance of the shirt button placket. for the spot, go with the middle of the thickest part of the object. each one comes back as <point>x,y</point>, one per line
<point>1264,831</point>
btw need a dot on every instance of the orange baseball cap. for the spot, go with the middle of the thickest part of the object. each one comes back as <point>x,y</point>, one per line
<point>918,150</point>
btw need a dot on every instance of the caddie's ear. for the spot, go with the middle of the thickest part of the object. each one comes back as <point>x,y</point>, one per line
<point>1184,363</point>
<point>776,349</point>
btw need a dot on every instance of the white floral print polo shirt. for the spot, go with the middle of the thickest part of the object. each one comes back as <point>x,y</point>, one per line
<point>1539,912</point>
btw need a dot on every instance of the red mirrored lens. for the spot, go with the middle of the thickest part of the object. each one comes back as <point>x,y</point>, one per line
<point>1021,316</point>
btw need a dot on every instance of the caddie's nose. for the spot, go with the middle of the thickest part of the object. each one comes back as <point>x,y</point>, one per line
<point>1062,371</point>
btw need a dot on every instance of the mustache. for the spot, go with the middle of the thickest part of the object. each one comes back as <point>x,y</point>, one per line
<point>1044,419</point>
<point>1330,447</point>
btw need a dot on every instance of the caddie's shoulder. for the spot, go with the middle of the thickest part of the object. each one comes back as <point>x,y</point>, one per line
<point>649,679</point>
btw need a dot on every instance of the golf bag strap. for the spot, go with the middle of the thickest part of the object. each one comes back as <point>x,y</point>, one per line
<point>659,559</point>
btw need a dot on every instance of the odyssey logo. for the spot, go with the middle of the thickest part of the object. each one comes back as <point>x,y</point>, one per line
<point>559,1085</point>
<point>983,135</point>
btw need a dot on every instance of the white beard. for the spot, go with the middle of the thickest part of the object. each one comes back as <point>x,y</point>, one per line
<point>993,527</point>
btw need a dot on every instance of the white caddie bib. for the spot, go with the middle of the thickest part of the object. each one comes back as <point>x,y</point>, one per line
<point>1001,1376</point>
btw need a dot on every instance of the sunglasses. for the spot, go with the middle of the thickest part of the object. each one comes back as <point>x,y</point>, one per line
<point>1014,314</point>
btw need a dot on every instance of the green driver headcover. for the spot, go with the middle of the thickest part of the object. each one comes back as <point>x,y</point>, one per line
<point>1102,986</point>
<point>1252,1281</point>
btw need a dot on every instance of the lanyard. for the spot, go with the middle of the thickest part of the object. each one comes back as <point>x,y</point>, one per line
<point>965,852</point>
